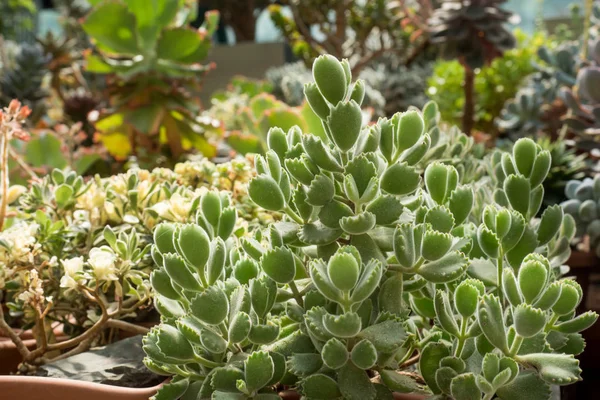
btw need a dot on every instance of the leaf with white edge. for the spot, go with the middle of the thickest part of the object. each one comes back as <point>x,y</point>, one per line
<point>515,233</point>
<point>528,321</point>
<point>343,271</point>
<point>543,163</point>
<point>364,354</point>
<point>556,369</point>
<point>264,334</point>
<point>172,390</point>
<point>320,191</point>
<point>445,313</point>
<point>532,279</point>
<point>549,224</point>
<point>320,154</point>
<point>429,363</point>
<point>527,385</point>
<point>304,364</point>
<point>386,208</point>
<point>577,324</point>
<point>446,269</point>
<point>390,296</point>
<point>225,378</point>
<point>488,242</point>
<point>435,245</point>
<point>265,192</point>
<point>511,287</point>
<point>550,296</point>
<point>320,278</point>
<point>330,78</point>
<point>345,122</point>
<point>570,296</point>
<point>314,323</point>
<point>258,370</point>
<point>161,283</point>
<point>358,224</point>
<point>440,181</point>
<point>320,387</point>
<point>524,154</point>
<point>386,336</point>
<point>400,179</point>
<point>440,218</point>
<point>407,244</point>
<point>319,234</point>
<point>518,189</point>
<point>346,325</point>
<point>193,244</point>
<point>368,281</point>
<point>279,265</point>
<point>355,383</point>
<point>180,273</point>
<point>464,387</point>
<point>239,328</point>
<point>402,383</point>
<point>163,237</point>
<point>466,297</point>
<point>210,306</point>
<point>334,354</point>
<point>491,321</point>
<point>332,212</point>
<point>527,245</point>
<point>461,203</point>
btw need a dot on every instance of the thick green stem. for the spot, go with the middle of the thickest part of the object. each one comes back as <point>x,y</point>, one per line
<point>293,215</point>
<point>297,295</point>
<point>463,337</point>
<point>500,268</point>
<point>516,345</point>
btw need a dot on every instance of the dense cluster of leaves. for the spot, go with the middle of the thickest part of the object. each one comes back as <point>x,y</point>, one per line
<point>153,60</point>
<point>582,203</point>
<point>384,261</point>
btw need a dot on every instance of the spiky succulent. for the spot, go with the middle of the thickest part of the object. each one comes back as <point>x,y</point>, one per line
<point>376,268</point>
<point>472,29</point>
<point>23,80</point>
<point>582,204</point>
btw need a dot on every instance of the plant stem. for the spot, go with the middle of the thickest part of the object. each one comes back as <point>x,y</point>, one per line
<point>293,215</point>
<point>5,178</point>
<point>500,269</point>
<point>589,5</point>
<point>469,107</point>
<point>463,337</point>
<point>297,295</point>
<point>516,345</point>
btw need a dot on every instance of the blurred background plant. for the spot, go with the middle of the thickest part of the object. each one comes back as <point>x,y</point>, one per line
<point>474,34</point>
<point>153,76</point>
<point>494,83</point>
<point>360,31</point>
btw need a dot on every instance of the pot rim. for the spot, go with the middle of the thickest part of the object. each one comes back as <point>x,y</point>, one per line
<point>41,381</point>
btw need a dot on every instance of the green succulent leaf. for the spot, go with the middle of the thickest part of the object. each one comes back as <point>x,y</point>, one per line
<point>464,387</point>
<point>429,363</point>
<point>400,179</point>
<point>330,78</point>
<point>355,383</point>
<point>334,354</point>
<point>279,265</point>
<point>555,369</point>
<point>265,192</point>
<point>528,321</point>
<point>491,321</point>
<point>320,387</point>
<point>446,269</point>
<point>345,122</point>
<point>210,306</point>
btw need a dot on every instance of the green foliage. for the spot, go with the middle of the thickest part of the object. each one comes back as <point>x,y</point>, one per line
<point>154,61</point>
<point>379,258</point>
<point>582,197</point>
<point>494,83</point>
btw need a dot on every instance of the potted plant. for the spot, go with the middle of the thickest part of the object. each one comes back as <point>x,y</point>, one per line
<point>74,261</point>
<point>384,277</point>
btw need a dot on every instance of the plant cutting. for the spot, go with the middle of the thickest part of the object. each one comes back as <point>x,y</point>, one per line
<point>380,279</point>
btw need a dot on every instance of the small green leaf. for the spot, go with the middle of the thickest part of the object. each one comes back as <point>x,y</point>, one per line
<point>400,179</point>
<point>429,363</point>
<point>265,192</point>
<point>345,122</point>
<point>320,387</point>
<point>528,321</point>
<point>210,306</point>
<point>330,78</point>
<point>355,383</point>
<point>279,265</point>
<point>258,369</point>
<point>334,354</point>
<point>464,387</point>
<point>555,369</point>
<point>446,269</point>
<point>491,321</point>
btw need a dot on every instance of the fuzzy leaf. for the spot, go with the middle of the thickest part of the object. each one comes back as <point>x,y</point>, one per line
<point>345,121</point>
<point>491,321</point>
<point>330,77</point>
<point>279,265</point>
<point>265,192</point>
<point>210,306</point>
<point>320,387</point>
<point>400,179</point>
<point>464,387</point>
<point>334,354</point>
<point>556,369</point>
<point>429,363</point>
<point>446,269</point>
<point>355,383</point>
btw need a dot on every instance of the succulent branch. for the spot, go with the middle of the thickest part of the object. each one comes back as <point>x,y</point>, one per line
<point>383,262</point>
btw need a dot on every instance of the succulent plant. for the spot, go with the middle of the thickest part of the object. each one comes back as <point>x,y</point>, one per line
<point>537,107</point>
<point>472,29</point>
<point>154,75</point>
<point>23,80</point>
<point>583,204</point>
<point>377,280</point>
<point>288,85</point>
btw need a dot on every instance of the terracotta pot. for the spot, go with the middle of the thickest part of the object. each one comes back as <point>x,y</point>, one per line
<point>37,388</point>
<point>10,358</point>
<point>293,395</point>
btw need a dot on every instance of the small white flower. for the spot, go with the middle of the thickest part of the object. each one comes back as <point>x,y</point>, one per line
<point>73,266</point>
<point>102,260</point>
<point>68,283</point>
<point>34,292</point>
